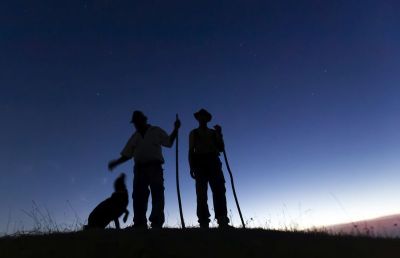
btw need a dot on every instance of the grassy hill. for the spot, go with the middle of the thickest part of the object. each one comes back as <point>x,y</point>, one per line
<point>382,226</point>
<point>196,243</point>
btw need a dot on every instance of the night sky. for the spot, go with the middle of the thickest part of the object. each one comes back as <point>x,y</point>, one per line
<point>307,94</point>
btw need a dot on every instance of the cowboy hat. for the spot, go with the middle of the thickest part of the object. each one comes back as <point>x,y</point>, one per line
<point>203,112</point>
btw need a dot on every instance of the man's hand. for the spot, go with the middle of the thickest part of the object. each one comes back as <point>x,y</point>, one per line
<point>116,162</point>
<point>193,173</point>
<point>177,123</point>
<point>218,129</point>
<point>112,164</point>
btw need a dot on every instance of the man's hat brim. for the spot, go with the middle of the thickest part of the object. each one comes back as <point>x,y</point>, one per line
<point>203,112</point>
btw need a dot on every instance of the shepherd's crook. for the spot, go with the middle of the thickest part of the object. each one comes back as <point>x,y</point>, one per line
<point>233,189</point>
<point>177,179</point>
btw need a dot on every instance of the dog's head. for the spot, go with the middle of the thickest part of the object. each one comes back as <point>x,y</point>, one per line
<point>119,184</point>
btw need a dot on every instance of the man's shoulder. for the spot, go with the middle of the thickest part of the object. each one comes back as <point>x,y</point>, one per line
<point>197,131</point>
<point>134,135</point>
<point>157,129</point>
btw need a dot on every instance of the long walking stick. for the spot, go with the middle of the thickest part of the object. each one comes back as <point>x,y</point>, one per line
<point>177,179</point>
<point>233,189</point>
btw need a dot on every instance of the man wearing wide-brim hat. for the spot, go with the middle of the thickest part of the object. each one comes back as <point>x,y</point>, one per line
<point>205,145</point>
<point>144,146</point>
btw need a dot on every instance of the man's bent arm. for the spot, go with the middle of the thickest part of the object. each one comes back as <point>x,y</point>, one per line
<point>220,142</point>
<point>174,133</point>
<point>219,138</point>
<point>172,137</point>
<point>191,155</point>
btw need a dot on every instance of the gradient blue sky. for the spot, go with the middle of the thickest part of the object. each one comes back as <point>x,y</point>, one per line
<point>307,93</point>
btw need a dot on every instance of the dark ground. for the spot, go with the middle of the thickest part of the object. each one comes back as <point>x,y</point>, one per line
<point>196,243</point>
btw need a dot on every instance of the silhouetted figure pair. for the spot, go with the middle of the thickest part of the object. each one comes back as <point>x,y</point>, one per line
<point>144,147</point>
<point>112,208</point>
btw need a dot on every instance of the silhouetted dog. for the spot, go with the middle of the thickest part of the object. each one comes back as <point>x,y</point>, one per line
<point>112,208</point>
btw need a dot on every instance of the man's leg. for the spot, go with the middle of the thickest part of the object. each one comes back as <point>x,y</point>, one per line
<point>203,213</point>
<point>140,196</point>
<point>217,184</point>
<point>156,181</point>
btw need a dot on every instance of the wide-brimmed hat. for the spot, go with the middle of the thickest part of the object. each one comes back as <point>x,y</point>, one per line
<point>203,112</point>
<point>138,115</point>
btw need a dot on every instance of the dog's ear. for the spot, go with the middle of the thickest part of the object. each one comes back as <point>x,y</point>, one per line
<point>122,176</point>
<point>119,183</point>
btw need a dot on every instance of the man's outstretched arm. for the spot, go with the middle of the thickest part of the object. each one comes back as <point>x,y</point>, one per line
<point>126,154</point>
<point>116,162</point>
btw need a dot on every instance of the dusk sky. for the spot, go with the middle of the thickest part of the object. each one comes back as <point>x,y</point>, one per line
<point>307,94</point>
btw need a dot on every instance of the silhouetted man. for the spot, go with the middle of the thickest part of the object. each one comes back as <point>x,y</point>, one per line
<point>144,147</point>
<point>205,145</point>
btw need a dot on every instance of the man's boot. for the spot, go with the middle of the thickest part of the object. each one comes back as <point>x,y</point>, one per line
<point>204,226</point>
